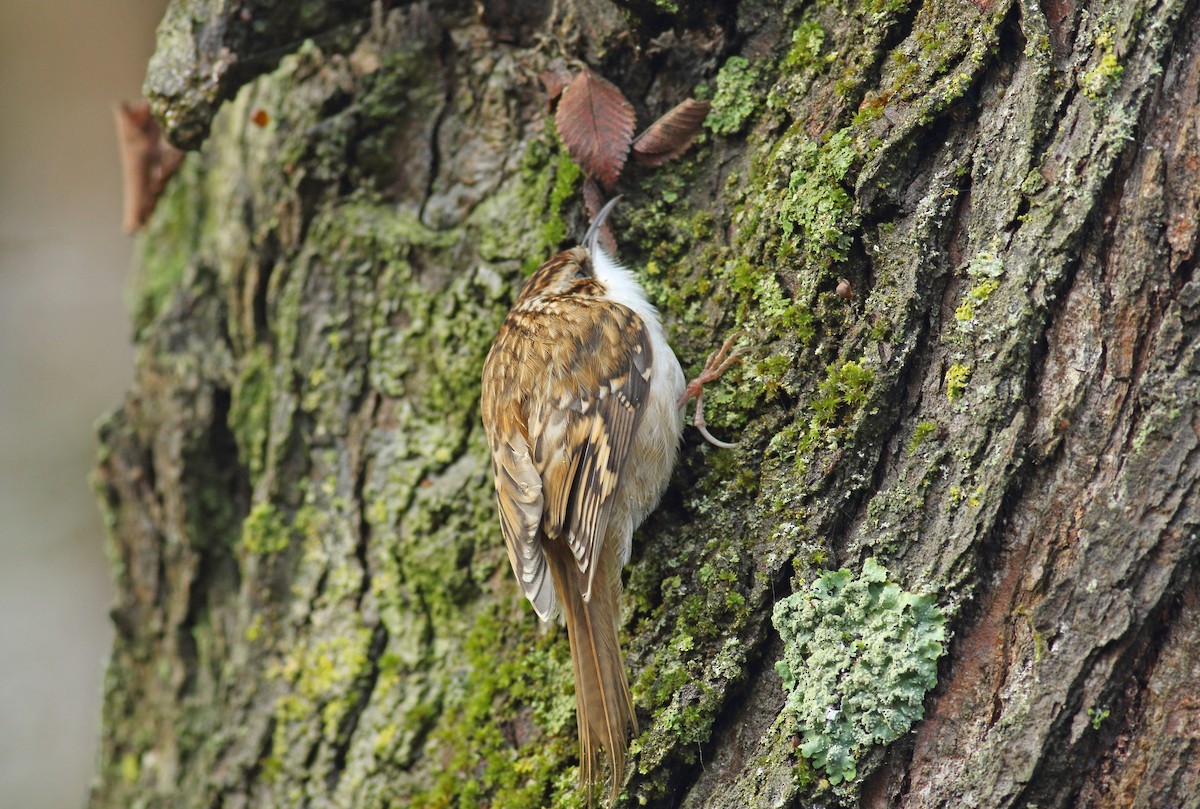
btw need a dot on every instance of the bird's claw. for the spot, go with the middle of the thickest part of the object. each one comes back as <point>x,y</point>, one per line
<point>716,364</point>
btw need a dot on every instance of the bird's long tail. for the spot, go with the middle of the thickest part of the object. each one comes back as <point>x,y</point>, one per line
<point>603,705</point>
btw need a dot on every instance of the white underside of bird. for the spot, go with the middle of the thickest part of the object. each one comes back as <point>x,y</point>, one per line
<point>656,443</point>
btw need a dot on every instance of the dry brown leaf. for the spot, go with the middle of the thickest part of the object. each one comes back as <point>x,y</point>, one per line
<point>147,162</point>
<point>595,122</point>
<point>671,135</point>
<point>554,78</point>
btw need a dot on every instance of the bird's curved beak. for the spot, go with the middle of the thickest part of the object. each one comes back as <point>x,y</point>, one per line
<point>592,236</point>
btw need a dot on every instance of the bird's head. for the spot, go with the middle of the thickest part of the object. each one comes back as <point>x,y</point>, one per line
<point>571,271</point>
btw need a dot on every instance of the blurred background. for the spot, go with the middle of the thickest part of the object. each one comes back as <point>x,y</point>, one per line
<point>65,360</point>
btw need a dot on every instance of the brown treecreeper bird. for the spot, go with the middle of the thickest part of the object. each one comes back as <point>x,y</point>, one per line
<point>583,408</point>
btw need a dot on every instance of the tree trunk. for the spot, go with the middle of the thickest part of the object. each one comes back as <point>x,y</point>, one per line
<point>996,439</point>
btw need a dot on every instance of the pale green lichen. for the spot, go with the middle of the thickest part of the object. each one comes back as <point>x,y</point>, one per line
<point>815,210</point>
<point>735,100</point>
<point>985,265</point>
<point>860,653</point>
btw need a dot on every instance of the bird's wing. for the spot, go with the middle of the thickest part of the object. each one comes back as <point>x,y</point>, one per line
<point>576,400</point>
<point>519,497</point>
<point>582,432</point>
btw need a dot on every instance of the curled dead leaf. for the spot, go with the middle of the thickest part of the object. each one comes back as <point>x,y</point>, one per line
<point>554,78</point>
<point>595,122</point>
<point>672,134</point>
<point>147,162</point>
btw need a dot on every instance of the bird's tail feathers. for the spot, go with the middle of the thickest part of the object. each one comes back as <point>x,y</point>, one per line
<point>603,704</point>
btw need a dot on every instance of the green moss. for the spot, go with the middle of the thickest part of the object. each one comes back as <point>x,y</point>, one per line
<point>860,654</point>
<point>882,7</point>
<point>167,245</point>
<point>566,183</point>
<point>766,305</point>
<point>922,433</point>
<point>250,409</point>
<point>532,686</point>
<point>549,182</point>
<point>836,405</point>
<point>662,232</point>
<point>957,376</point>
<point>807,40</point>
<point>771,373</point>
<point>735,100</point>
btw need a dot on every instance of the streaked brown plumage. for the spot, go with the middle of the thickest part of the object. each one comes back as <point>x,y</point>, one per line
<point>582,404</point>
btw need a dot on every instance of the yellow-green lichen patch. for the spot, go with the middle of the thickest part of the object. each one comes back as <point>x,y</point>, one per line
<point>265,531</point>
<point>321,679</point>
<point>984,270</point>
<point>131,770</point>
<point>957,376</point>
<point>983,290</point>
<point>1106,74</point>
<point>860,653</point>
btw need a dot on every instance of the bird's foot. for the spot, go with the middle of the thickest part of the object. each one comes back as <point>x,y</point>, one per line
<point>714,366</point>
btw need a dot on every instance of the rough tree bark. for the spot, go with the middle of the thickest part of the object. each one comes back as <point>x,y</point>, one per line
<point>315,608</point>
